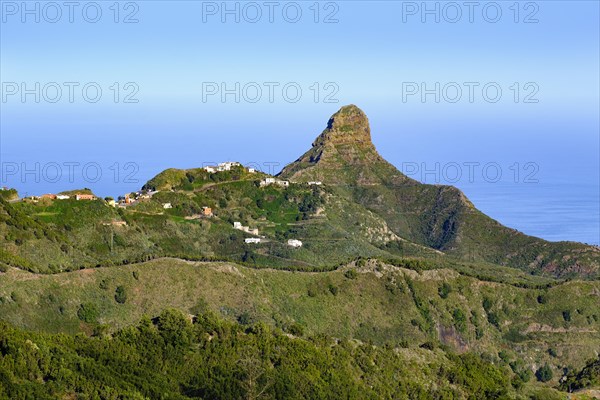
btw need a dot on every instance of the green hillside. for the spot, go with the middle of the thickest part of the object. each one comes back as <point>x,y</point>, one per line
<point>368,300</point>
<point>170,357</point>
<point>437,216</point>
<point>406,288</point>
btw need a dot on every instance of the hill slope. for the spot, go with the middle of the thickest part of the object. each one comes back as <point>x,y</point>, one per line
<point>368,300</point>
<point>441,217</point>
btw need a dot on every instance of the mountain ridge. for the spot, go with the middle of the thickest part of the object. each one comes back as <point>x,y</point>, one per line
<point>364,207</point>
<point>438,216</point>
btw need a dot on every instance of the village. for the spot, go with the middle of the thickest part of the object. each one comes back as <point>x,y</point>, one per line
<point>130,199</point>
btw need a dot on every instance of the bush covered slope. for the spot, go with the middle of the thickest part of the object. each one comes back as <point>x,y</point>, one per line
<point>170,357</point>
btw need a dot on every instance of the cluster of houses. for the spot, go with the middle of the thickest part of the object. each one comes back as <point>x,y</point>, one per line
<point>52,196</point>
<point>291,242</point>
<point>131,198</point>
<point>225,166</point>
<point>274,181</point>
<point>238,225</point>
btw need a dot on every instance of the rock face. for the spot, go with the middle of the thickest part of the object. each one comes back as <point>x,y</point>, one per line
<point>441,217</point>
<point>344,154</point>
<point>349,125</point>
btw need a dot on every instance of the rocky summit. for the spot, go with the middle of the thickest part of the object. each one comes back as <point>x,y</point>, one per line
<point>343,154</point>
<point>349,125</point>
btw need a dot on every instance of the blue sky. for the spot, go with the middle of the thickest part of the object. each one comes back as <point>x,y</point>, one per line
<point>368,57</point>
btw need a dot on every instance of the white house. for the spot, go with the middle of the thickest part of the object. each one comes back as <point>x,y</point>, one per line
<point>238,225</point>
<point>252,240</point>
<point>317,183</point>
<point>274,181</point>
<point>167,205</point>
<point>212,170</point>
<point>294,243</point>
<point>251,170</point>
<point>226,166</point>
<point>62,197</point>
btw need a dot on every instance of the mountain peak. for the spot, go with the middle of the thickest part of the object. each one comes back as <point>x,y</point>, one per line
<point>349,125</point>
<point>344,154</point>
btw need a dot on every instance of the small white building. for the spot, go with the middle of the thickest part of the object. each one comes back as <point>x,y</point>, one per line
<point>294,243</point>
<point>237,225</point>
<point>212,170</point>
<point>251,170</point>
<point>316,183</point>
<point>252,240</point>
<point>167,205</point>
<point>62,197</point>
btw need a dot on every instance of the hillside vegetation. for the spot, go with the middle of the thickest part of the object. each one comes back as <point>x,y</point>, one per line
<point>398,290</point>
<point>170,357</point>
<point>367,300</point>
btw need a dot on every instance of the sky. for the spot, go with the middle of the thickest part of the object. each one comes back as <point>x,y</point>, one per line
<point>498,98</point>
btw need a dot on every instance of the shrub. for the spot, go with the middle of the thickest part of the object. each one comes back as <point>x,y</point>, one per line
<point>544,374</point>
<point>504,356</point>
<point>333,289</point>
<point>245,318</point>
<point>542,299</point>
<point>478,332</point>
<point>494,320</point>
<point>120,295</point>
<point>444,290</point>
<point>351,274</point>
<point>487,304</point>
<point>567,315</point>
<point>296,329</point>
<point>428,346</point>
<point>460,320</point>
<point>87,312</point>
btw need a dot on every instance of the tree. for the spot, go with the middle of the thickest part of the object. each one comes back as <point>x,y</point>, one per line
<point>253,373</point>
<point>544,374</point>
